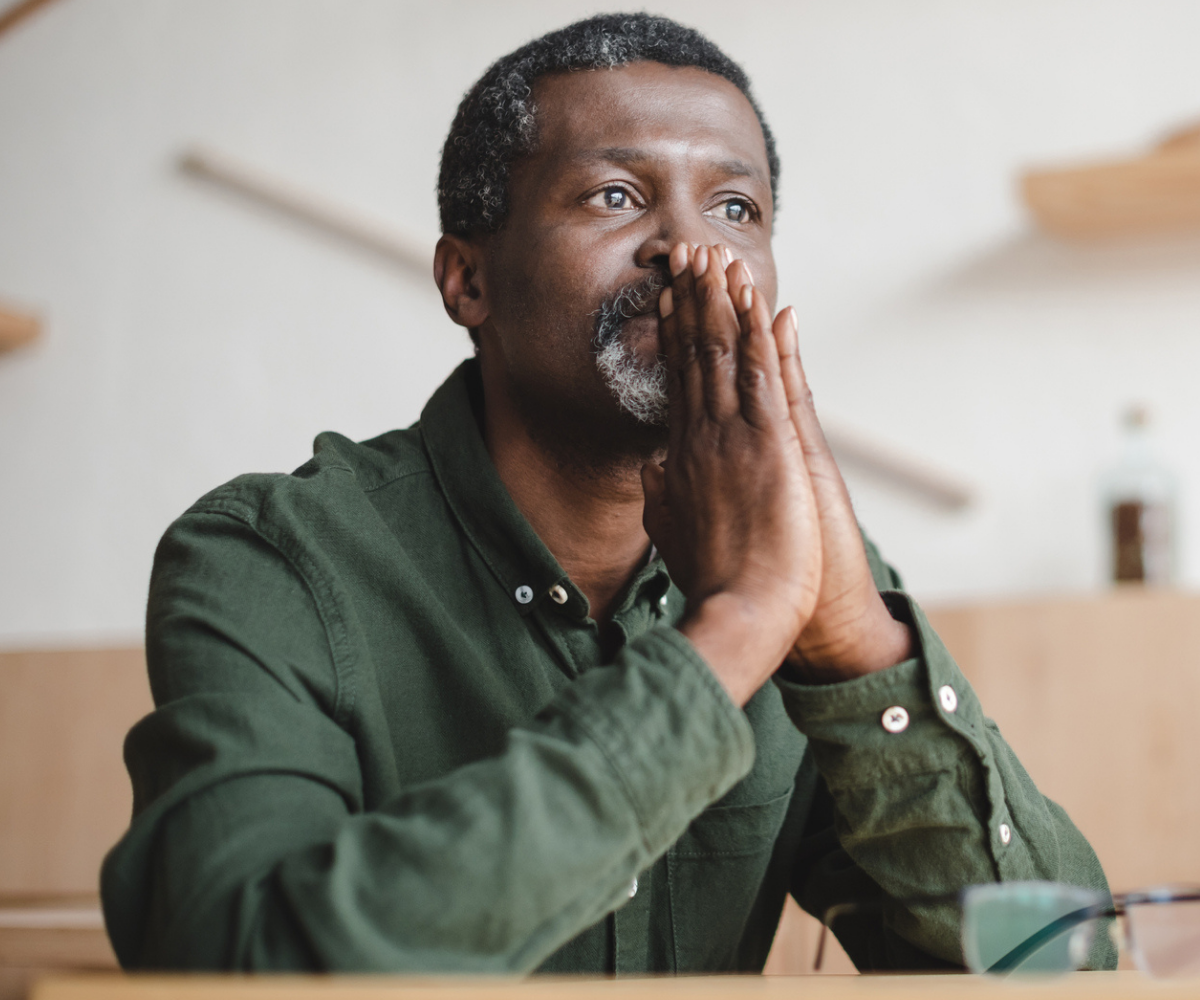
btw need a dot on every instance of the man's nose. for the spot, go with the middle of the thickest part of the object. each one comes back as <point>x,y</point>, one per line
<point>654,251</point>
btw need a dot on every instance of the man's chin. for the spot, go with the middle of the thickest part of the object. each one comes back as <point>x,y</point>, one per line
<point>639,386</point>
<point>640,336</point>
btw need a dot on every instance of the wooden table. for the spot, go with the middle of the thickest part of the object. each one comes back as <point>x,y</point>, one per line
<point>1080,986</point>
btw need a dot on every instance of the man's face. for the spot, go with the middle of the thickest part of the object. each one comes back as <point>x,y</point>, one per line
<point>628,162</point>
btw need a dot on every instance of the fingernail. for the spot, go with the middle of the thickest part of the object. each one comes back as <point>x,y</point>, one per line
<point>793,320</point>
<point>749,274</point>
<point>678,259</point>
<point>747,297</point>
<point>666,303</point>
<point>728,257</point>
<point>700,261</point>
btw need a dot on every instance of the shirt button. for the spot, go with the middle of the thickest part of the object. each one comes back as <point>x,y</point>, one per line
<point>524,594</point>
<point>895,719</point>
<point>948,698</point>
<point>633,887</point>
<point>559,593</point>
<point>1005,833</point>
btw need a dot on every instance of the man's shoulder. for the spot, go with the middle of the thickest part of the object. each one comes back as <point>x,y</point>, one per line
<point>341,475</point>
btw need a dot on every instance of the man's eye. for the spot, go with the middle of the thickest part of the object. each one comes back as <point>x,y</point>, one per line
<point>615,198</point>
<point>737,210</point>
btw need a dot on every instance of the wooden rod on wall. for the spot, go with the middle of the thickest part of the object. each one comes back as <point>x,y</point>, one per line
<point>899,471</point>
<point>311,209</point>
<point>12,16</point>
<point>17,329</point>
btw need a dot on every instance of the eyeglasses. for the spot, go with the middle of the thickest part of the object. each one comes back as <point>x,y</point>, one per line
<point>1048,927</point>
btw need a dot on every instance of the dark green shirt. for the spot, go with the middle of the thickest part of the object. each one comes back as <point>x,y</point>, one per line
<point>385,740</point>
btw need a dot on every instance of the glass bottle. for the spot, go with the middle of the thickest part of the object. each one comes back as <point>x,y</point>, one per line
<point>1140,495</point>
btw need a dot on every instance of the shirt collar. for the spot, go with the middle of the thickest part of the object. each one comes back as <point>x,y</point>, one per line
<point>481,504</point>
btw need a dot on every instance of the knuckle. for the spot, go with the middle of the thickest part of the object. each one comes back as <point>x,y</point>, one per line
<point>715,354</point>
<point>752,379</point>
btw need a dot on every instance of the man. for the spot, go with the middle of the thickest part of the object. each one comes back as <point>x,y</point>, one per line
<point>589,668</point>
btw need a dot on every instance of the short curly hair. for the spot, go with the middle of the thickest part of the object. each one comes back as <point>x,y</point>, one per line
<point>496,122</point>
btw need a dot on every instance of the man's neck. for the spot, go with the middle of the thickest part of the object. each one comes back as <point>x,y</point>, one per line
<point>589,517</point>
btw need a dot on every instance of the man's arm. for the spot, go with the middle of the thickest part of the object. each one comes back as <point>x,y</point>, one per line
<point>920,808</point>
<point>251,846</point>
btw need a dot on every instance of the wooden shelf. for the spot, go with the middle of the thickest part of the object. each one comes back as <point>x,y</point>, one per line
<point>1158,192</point>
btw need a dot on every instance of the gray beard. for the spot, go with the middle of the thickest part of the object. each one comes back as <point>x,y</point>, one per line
<point>640,389</point>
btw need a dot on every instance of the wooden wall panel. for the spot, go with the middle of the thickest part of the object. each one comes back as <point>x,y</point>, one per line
<point>1100,698</point>
<point>64,793</point>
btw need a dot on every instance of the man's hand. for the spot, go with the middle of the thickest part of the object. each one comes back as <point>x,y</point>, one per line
<point>733,511</point>
<point>851,632</point>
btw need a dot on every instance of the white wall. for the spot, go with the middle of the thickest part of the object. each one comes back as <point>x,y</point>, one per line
<point>191,338</point>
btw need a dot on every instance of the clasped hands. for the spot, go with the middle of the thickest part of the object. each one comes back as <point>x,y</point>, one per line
<point>749,510</point>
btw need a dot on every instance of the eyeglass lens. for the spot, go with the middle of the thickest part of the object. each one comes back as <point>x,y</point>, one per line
<point>1004,924</point>
<point>1164,936</point>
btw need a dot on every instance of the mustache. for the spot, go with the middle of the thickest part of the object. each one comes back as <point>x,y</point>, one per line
<point>638,298</point>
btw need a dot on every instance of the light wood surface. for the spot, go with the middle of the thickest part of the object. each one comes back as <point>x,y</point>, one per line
<point>64,800</point>
<point>1101,986</point>
<point>64,794</point>
<point>41,936</point>
<point>1098,696</point>
<point>56,948</point>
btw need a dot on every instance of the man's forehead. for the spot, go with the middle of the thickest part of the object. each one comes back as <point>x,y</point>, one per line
<point>619,115</point>
<point>638,156</point>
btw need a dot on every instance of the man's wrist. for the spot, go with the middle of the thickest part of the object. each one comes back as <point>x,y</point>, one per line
<point>742,641</point>
<point>878,643</point>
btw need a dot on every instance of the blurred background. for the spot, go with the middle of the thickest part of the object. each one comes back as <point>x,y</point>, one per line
<point>187,333</point>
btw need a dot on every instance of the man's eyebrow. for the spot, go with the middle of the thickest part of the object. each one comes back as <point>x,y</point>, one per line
<point>627,156</point>
<point>737,168</point>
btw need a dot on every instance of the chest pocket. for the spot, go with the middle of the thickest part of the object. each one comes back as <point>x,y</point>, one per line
<point>716,872</point>
<point>716,869</point>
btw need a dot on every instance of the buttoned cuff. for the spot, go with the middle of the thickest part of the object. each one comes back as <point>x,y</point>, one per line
<point>919,717</point>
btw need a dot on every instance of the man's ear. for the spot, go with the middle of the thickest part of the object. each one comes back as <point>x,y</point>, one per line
<point>458,271</point>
